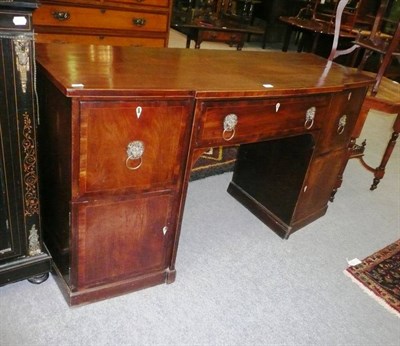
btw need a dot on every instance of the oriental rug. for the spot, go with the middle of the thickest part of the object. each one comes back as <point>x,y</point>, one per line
<point>214,161</point>
<point>379,275</point>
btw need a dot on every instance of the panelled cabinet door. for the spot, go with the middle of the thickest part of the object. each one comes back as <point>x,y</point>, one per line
<point>131,146</point>
<point>7,245</point>
<point>120,239</point>
<point>320,181</point>
<point>7,241</point>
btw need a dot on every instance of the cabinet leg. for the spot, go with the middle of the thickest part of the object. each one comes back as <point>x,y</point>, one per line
<point>170,277</point>
<point>38,279</point>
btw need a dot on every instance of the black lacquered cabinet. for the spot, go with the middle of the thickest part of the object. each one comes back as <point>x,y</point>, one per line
<point>22,252</point>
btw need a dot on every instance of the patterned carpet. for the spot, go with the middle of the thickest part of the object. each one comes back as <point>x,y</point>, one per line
<point>379,274</point>
<point>215,161</point>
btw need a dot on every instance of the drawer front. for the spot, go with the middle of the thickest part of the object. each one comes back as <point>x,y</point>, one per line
<point>221,36</point>
<point>339,125</point>
<point>15,21</point>
<point>116,240</point>
<point>132,146</point>
<point>229,123</point>
<point>101,40</point>
<point>92,18</point>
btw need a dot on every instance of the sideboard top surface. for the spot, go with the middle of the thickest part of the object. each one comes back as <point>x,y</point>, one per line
<point>80,71</point>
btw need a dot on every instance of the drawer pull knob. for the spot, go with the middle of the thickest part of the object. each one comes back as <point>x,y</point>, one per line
<point>310,116</point>
<point>230,122</point>
<point>342,124</point>
<point>139,21</point>
<point>135,152</point>
<point>277,106</point>
<point>61,15</point>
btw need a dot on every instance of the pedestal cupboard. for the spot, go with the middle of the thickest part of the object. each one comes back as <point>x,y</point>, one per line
<point>22,253</point>
<point>117,142</point>
<point>108,22</point>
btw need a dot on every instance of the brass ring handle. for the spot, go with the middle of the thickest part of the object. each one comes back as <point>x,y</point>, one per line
<point>308,124</point>
<point>310,116</point>
<point>133,168</point>
<point>230,122</point>
<point>61,16</point>
<point>139,21</point>
<point>342,124</point>
<point>135,151</point>
<point>224,135</point>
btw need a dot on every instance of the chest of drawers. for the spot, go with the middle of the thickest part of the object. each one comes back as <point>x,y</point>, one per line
<point>117,141</point>
<point>135,22</point>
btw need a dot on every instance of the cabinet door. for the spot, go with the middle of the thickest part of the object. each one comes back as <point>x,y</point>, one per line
<point>321,178</point>
<point>11,239</point>
<point>5,235</point>
<point>117,240</point>
<point>112,136</point>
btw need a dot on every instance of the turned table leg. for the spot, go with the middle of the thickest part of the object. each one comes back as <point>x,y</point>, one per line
<point>379,172</point>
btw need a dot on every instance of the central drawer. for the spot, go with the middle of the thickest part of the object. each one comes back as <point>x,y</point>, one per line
<point>79,17</point>
<point>220,123</point>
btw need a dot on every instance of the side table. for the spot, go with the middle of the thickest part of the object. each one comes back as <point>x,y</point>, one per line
<point>228,32</point>
<point>387,100</point>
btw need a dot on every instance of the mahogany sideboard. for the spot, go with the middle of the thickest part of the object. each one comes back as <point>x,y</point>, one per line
<point>118,138</point>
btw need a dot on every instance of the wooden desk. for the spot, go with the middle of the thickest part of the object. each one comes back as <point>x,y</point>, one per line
<point>118,138</point>
<point>220,31</point>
